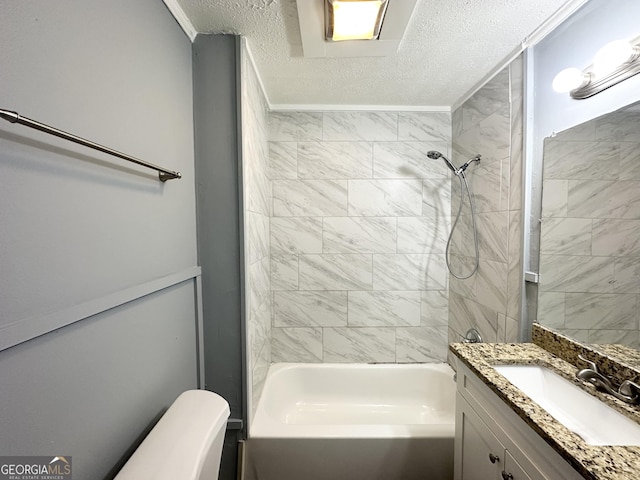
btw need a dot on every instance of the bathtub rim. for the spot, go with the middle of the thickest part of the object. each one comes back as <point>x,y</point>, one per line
<point>267,427</point>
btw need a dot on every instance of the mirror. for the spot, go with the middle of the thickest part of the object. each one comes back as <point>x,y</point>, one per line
<point>590,232</point>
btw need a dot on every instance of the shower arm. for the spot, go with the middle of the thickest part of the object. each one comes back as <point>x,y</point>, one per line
<point>465,165</point>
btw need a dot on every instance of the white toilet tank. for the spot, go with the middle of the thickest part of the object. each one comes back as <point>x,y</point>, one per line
<point>185,444</point>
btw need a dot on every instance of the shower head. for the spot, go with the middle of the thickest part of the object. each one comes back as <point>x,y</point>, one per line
<point>434,155</point>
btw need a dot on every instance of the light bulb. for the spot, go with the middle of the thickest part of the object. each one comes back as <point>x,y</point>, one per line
<point>569,79</point>
<point>611,56</point>
<point>355,20</point>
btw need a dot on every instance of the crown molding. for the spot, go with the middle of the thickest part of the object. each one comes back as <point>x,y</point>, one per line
<point>182,19</point>
<point>357,108</point>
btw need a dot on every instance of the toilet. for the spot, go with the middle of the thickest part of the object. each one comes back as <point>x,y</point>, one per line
<point>186,443</point>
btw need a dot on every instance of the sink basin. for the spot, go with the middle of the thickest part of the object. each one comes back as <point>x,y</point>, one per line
<point>582,413</point>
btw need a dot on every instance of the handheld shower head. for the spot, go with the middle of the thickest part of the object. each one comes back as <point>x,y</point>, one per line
<point>434,155</point>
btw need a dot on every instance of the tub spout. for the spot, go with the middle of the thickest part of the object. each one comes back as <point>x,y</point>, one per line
<point>472,336</point>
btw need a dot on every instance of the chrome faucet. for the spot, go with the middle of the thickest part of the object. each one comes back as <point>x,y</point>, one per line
<point>628,391</point>
<point>472,336</point>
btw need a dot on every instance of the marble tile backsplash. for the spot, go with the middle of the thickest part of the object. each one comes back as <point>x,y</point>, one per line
<point>590,232</point>
<point>359,223</point>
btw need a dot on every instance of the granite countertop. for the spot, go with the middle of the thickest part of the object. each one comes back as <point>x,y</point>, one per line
<point>592,462</point>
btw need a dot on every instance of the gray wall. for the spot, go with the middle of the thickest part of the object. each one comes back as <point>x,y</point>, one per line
<point>574,44</point>
<point>219,207</point>
<point>218,191</point>
<point>79,228</point>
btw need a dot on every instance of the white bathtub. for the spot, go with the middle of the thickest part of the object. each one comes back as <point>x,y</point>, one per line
<point>335,421</point>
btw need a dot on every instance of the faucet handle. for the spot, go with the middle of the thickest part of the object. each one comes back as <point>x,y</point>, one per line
<point>629,388</point>
<point>591,364</point>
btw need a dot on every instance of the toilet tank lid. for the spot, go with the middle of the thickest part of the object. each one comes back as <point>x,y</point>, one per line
<point>202,407</point>
<point>180,442</point>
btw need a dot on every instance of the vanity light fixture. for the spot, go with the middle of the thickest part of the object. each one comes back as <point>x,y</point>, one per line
<point>570,79</point>
<point>613,63</point>
<point>354,19</point>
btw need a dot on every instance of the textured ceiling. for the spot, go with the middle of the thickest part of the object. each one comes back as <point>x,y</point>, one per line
<point>448,47</point>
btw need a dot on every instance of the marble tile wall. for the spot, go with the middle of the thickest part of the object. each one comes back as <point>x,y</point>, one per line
<point>358,229</point>
<point>590,233</point>
<point>489,123</point>
<point>257,211</point>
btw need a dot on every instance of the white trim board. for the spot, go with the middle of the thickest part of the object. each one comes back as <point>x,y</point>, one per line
<point>562,14</point>
<point>245,42</point>
<point>182,19</point>
<point>358,108</point>
<point>200,331</point>
<point>29,328</point>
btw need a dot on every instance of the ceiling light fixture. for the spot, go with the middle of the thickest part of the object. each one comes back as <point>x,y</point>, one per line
<point>354,19</point>
<point>612,64</point>
<point>313,18</point>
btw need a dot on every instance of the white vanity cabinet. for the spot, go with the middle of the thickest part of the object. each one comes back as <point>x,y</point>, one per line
<point>493,443</point>
<point>483,456</point>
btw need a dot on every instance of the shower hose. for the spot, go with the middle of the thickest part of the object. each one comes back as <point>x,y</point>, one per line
<point>463,180</point>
